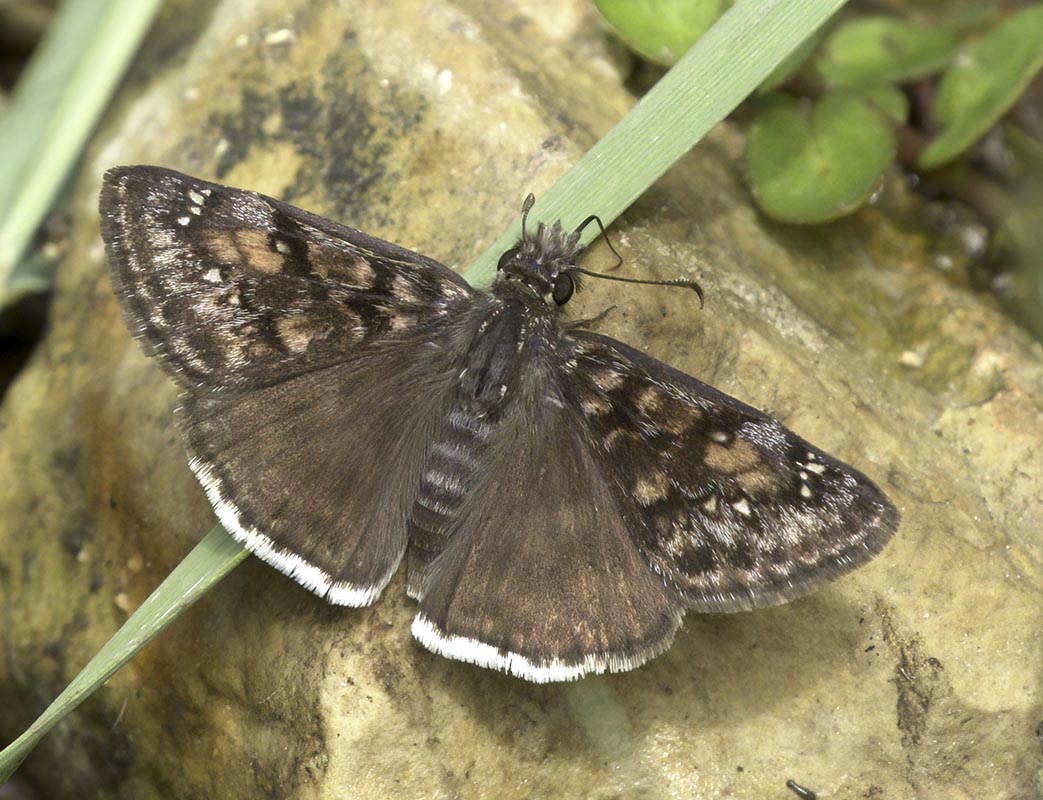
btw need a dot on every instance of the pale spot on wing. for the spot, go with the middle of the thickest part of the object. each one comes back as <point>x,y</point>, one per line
<point>298,332</point>
<point>212,275</point>
<point>648,401</point>
<point>360,273</point>
<point>221,247</point>
<point>756,480</point>
<point>651,487</point>
<point>401,322</point>
<point>403,289</point>
<point>818,469</point>
<point>737,457</point>
<point>613,437</point>
<point>594,405</point>
<point>255,252</point>
<point>606,379</point>
<point>742,506</point>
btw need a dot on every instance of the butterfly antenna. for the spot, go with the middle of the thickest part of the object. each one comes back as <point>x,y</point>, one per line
<point>619,260</point>
<point>676,282</point>
<point>527,205</point>
<point>597,219</point>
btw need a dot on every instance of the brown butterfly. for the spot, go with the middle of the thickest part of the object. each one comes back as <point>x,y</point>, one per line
<point>561,498</point>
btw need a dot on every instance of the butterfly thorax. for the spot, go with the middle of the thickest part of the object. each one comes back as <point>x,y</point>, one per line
<point>514,324</point>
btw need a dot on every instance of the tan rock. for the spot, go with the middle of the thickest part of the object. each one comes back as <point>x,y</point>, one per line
<point>426,123</point>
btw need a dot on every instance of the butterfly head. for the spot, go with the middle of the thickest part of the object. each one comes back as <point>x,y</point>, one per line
<point>544,261</point>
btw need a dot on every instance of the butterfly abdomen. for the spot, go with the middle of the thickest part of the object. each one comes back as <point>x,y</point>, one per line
<point>496,361</point>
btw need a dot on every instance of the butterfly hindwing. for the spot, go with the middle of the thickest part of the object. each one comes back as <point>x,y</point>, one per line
<point>732,509</point>
<point>229,288</point>
<point>298,470</point>
<point>540,577</point>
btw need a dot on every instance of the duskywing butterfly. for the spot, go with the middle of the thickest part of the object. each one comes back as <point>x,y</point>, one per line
<point>561,498</point>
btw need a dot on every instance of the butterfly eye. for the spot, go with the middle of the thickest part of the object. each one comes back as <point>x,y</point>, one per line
<point>506,257</point>
<point>564,286</point>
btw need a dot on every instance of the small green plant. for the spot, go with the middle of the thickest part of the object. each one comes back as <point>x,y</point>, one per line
<point>827,125</point>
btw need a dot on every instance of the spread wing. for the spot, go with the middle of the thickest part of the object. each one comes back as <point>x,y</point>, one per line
<point>528,565</point>
<point>733,510</point>
<point>232,289</point>
<point>540,577</point>
<point>314,357</point>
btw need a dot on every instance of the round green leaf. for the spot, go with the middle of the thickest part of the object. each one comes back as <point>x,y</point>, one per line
<point>809,165</point>
<point>661,30</point>
<point>983,82</point>
<point>874,50</point>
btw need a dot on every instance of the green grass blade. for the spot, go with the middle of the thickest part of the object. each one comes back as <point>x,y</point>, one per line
<point>721,69</point>
<point>209,561</point>
<point>55,105</point>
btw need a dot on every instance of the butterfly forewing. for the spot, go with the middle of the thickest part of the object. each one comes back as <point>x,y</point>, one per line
<point>732,509</point>
<point>230,288</point>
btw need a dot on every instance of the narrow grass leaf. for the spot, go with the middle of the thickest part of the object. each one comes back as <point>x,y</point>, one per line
<point>65,88</point>
<point>725,66</point>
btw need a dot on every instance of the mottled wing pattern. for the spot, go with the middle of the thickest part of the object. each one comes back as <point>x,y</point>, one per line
<point>229,288</point>
<point>312,354</point>
<point>732,509</point>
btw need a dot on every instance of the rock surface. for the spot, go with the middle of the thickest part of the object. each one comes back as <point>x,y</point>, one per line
<point>425,123</point>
